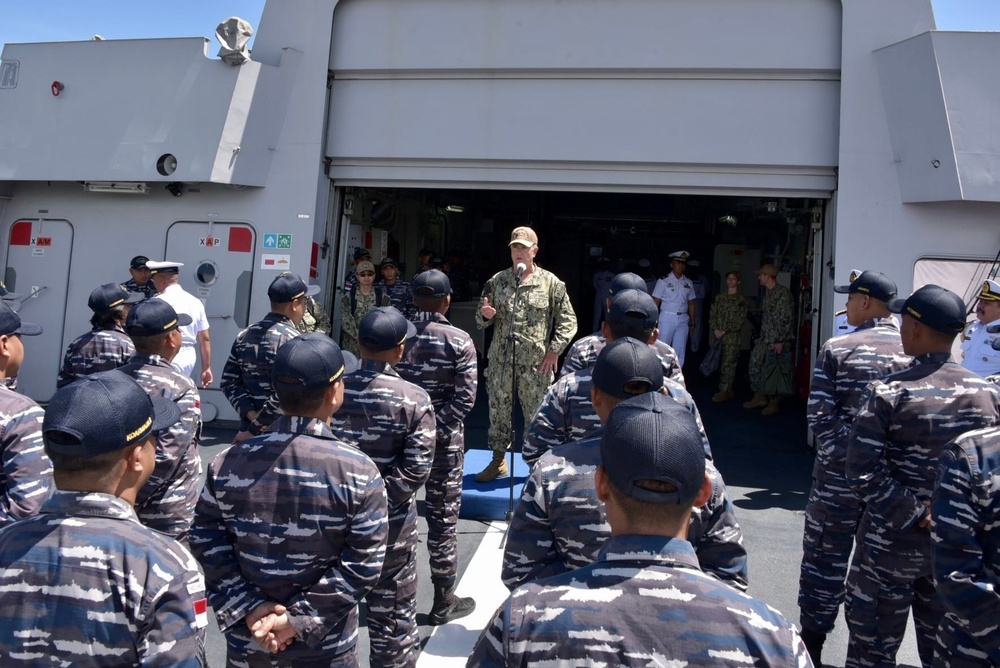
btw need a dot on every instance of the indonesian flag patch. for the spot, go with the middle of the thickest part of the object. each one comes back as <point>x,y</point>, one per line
<point>201,613</point>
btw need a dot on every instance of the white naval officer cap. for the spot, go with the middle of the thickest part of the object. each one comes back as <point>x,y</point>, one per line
<point>990,292</point>
<point>165,267</point>
<point>680,255</point>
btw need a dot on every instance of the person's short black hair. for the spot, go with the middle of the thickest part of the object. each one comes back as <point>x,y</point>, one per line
<point>108,319</point>
<point>298,400</point>
<point>620,330</point>
<point>429,304</point>
<point>63,463</point>
<point>150,344</point>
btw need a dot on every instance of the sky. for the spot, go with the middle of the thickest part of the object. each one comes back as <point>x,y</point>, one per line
<point>60,20</point>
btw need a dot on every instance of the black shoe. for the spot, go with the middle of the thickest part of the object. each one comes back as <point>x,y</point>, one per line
<point>813,640</point>
<point>448,607</point>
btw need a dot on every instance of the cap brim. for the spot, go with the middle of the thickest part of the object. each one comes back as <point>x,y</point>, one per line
<point>411,330</point>
<point>28,329</point>
<point>842,289</point>
<point>183,319</point>
<point>896,305</point>
<point>312,290</point>
<point>165,413</point>
<point>351,362</point>
<point>522,242</point>
<point>134,298</point>
<point>11,296</point>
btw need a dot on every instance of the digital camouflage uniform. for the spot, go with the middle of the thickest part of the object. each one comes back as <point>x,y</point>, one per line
<point>351,318</point>
<point>567,414</point>
<point>84,584</point>
<point>146,289</point>
<point>309,533</point>
<point>442,360</point>
<point>776,326</point>
<point>315,318</point>
<point>965,550</point>
<point>728,313</point>
<point>400,295</point>
<point>166,502</point>
<point>844,367</point>
<point>560,525</point>
<point>246,378</point>
<point>392,421</point>
<point>893,450</point>
<point>545,322</point>
<point>643,602</point>
<point>97,350</point>
<point>583,355</point>
<point>26,473</point>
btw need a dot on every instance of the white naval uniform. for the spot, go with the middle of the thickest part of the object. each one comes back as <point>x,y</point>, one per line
<point>185,302</point>
<point>978,355</point>
<point>674,294</point>
<point>840,324</point>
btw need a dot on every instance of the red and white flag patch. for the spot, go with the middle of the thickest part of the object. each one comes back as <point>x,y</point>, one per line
<point>201,613</point>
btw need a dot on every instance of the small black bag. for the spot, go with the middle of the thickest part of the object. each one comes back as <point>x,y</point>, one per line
<point>776,375</point>
<point>710,364</point>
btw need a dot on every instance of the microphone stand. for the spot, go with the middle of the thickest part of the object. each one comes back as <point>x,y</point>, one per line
<point>511,343</point>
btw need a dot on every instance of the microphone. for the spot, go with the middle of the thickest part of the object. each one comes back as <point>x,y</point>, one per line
<point>519,270</point>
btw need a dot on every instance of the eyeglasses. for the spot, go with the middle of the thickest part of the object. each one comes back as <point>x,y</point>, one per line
<point>366,274</point>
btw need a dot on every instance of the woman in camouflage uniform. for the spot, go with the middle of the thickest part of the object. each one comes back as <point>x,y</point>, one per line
<point>729,312</point>
<point>358,301</point>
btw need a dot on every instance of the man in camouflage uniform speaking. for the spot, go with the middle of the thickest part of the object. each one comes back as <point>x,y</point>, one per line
<point>543,326</point>
<point>844,367</point>
<point>893,450</point>
<point>645,601</point>
<point>776,335</point>
<point>84,583</point>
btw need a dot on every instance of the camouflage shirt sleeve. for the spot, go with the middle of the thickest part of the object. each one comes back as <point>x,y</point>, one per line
<point>717,537</point>
<point>868,472</point>
<point>777,316</point>
<point>963,506</point>
<point>574,358</point>
<point>530,552</point>
<point>824,414</point>
<point>26,468</point>
<point>413,468</point>
<point>548,428</point>
<point>175,639</point>
<point>232,379</point>
<point>455,410</point>
<point>564,318</point>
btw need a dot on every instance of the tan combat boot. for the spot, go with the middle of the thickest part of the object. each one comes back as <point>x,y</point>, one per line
<point>772,406</point>
<point>758,401</point>
<point>496,469</point>
<point>722,395</point>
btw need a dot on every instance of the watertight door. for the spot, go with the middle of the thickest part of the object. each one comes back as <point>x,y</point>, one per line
<point>218,269</point>
<point>38,269</point>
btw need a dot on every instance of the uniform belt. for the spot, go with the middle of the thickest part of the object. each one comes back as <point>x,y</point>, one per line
<point>675,312</point>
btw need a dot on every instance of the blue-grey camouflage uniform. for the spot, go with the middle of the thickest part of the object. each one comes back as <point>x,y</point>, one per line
<point>97,350</point>
<point>297,517</point>
<point>26,472</point>
<point>166,502</point>
<point>843,369</point>
<point>892,461</point>
<point>400,295</point>
<point>560,525</point>
<point>442,360</point>
<point>392,421</point>
<point>567,414</point>
<point>644,602</point>
<point>583,355</point>
<point>146,289</point>
<point>84,584</point>
<point>246,378</point>
<point>965,550</point>
<point>544,323</point>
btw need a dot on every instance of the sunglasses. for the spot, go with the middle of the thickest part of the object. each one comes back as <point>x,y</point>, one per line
<point>366,273</point>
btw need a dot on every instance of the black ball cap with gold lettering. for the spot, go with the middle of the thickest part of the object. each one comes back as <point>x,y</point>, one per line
<point>872,283</point>
<point>934,306</point>
<point>103,412</point>
<point>152,317</point>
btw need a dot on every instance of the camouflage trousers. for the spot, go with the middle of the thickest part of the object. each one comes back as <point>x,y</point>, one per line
<point>890,574</point>
<point>757,356</point>
<point>730,357</point>
<point>170,509</point>
<point>832,516</point>
<point>531,388</point>
<point>242,651</point>
<point>392,602</point>
<point>443,502</point>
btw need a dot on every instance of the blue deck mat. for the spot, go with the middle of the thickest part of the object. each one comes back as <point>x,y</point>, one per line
<point>489,500</point>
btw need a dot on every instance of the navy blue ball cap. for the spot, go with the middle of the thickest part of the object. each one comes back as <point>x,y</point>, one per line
<point>627,281</point>
<point>110,295</point>
<point>152,317</point>
<point>10,323</point>
<point>384,328</point>
<point>627,367</point>
<point>934,306</point>
<point>633,307</point>
<point>388,262</point>
<point>103,412</point>
<point>875,284</point>
<point>139,262</point>
<point>653,438</point>
<point>431,283</point>
<point>361,252</point>
<point>312,362</point>
<point>287,287</point>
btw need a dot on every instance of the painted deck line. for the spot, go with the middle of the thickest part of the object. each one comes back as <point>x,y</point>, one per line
<point>451,644</point>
